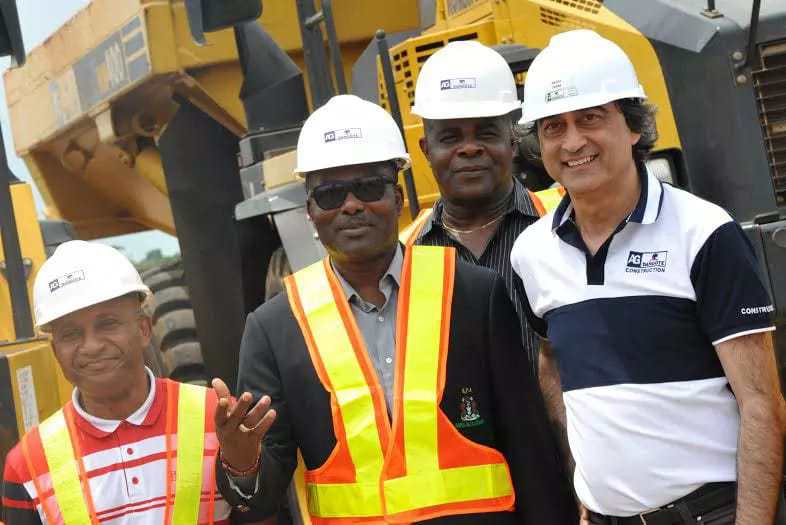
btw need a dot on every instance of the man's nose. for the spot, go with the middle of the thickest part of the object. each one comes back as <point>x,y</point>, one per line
<point>352,205</point>
<point>573,139</point>
<point>91,342</point>
<point>469,147</point>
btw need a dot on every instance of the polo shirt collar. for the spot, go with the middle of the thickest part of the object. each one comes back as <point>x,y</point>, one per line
<point>100,427</point>
<point>646,211</point>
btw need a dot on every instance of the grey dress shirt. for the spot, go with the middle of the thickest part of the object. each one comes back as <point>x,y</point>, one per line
<point>378,325</point>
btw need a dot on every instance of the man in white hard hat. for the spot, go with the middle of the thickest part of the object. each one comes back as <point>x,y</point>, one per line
<point>397,373</point>
<point>466,96</point>
<point>127,448</point>
<point>652,304</point>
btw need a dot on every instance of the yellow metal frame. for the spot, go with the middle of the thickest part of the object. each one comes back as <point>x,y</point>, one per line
<point>31,245</point>
<point>39,356</point>
<point>82,151</point>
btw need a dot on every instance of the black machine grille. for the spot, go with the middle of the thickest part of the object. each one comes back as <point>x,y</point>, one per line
<point>769,82</point>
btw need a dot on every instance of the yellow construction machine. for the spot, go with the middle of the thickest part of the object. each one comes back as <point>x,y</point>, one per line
<point>31,384</point>
<point>181,116</point>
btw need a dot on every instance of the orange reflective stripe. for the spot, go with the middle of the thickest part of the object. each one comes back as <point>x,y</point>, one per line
<point>550,198</point>
<point>60,443</point>
<point>68,412</point>
<point>44,501</point>
<point>348,484</point>
<point>537,202</point>
<point>410,234</point>
<point>418,486</point>
<point>168,433</point>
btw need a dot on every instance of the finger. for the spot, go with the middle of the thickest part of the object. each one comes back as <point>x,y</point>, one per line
<point>224,402</point>
<point>254,415</point>
<point>264,425</point>
<point>222,391</point>
<point>237,412</point>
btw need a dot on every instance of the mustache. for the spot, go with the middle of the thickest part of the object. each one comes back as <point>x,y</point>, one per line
<point>353,223</point>
<point>471,167</point>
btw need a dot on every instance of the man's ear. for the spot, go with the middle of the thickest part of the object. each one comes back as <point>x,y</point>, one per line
<point>423,143</point>
<point>146,328</point>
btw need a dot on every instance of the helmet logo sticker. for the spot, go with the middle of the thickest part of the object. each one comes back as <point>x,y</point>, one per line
<point>560,90</point>
<point>65,280</point>
<point>343,134</point>
<point>458,83</point>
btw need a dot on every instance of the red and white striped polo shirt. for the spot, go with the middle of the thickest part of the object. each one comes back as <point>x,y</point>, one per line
<point>125,462</point>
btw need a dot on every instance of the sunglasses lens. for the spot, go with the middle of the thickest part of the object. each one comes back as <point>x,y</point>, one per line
<point>370,189</point>
<point>333,194</point>
<point>330,196</point>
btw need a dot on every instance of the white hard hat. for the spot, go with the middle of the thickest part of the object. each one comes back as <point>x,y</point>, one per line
<point>577,70</point>
<point>465,79</point>
<point>348,130</point>
<point>80,274</point>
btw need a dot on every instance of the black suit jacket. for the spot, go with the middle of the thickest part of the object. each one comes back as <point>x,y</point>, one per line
<point>485,354</point>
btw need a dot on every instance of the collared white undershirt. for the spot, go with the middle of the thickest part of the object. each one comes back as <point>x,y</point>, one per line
<point>110,425</point>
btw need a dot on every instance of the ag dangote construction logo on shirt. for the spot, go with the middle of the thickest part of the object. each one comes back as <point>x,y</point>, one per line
<point>646,262</point>
<point>343,134</point>
<point>65,280</point>
<point>458,83</point>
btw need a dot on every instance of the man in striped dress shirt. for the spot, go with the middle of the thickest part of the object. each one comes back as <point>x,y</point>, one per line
<point>466,96</point>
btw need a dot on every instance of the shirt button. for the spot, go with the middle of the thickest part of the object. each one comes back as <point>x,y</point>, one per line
<point>129,451</point>
<point>381,319</point>
<point>388,360</point>
<point>135,480</point>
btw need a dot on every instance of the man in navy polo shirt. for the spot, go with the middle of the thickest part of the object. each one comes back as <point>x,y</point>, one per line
<point>651,302</point>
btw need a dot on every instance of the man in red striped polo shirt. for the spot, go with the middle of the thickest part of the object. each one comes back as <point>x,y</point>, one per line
<point>128,448</point>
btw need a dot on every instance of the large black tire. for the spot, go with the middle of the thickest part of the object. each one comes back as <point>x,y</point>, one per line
<point>174,328</point>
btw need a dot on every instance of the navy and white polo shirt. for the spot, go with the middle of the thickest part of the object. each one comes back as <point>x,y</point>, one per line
<point>649,412</point>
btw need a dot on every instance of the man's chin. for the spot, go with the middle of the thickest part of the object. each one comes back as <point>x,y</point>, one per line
<point>359,250</point>
<point>108,372</point>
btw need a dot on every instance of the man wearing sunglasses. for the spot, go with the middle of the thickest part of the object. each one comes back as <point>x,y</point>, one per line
<point>397,372</point>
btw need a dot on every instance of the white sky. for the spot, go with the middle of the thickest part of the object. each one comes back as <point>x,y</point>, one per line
<point>39,19</point>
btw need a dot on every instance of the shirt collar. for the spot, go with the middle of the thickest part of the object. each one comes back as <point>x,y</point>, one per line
<point>393,272</point>
<point>521,202</point>
<point>647,208</point>
<point>107,426</point>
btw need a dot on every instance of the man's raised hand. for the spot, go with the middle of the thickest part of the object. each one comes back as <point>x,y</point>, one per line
<point>240,430</point>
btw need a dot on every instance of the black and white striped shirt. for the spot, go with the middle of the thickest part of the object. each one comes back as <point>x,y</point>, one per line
<point>521,213</point>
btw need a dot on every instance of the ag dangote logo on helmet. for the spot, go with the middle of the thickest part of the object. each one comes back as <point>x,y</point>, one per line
<point>65,280</point>
<point>560,90</point>
<point>457,83</point>
<point>343,134</point>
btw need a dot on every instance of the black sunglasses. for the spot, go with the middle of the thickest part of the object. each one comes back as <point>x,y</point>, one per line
<point>331,195</point>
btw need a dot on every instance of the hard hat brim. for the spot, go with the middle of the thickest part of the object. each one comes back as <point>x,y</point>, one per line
<point>454,110</point>
<point>569,104</point>
<point>43,322</point>
<point>301,171</point>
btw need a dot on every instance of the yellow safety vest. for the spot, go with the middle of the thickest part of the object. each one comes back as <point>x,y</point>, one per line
<point>73,502</point>
<point>423,467</point>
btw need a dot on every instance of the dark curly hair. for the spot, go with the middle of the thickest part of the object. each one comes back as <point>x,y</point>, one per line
<point>639,116</point>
